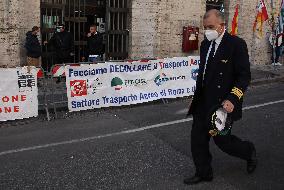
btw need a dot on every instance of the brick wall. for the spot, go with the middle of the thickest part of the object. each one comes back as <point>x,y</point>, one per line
<point>16,18</point>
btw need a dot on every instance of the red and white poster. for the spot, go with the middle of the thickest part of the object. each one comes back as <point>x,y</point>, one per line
<point>18,93</point>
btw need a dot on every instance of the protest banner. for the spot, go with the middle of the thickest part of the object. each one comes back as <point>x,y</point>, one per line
<point>125,83</point>
<point>18,93</point>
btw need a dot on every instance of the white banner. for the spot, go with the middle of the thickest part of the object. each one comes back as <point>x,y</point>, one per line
<point>18,93</point>
<point>116,84</point>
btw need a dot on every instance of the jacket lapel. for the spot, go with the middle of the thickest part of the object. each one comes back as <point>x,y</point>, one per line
<point>203,55</point>
<point>218,55</point>
<point>221,49</point>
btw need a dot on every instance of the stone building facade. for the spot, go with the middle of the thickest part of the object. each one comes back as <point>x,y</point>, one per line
<point>16,18</point>
<point>155,28</point>
<point>157,32</point>
<point>259,49</point>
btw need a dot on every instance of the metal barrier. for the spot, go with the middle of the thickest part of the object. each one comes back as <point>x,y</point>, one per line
<point>43,91</point>
<point>58,89</point>
<point>56,80</point>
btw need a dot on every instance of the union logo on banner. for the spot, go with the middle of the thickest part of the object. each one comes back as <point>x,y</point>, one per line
<point>117,83</point>
<point>78,88</point>
<point>194,74</point>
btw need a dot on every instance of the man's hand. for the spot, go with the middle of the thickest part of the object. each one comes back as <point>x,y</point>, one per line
<point>89,34</point>
<point>228,106</point>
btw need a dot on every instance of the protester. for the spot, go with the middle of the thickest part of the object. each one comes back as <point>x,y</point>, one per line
<point>63,44</point>
<point>224,75</point>
<point>277,49</point>
<point>33,47</point>
<point>95,46</point>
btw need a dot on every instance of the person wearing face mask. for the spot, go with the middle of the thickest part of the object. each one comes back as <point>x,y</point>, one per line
<point>33,47</point>
<point>63,45</point>
<point>223,77</point>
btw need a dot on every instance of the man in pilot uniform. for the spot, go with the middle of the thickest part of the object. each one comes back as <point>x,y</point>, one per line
<point>224,75</point>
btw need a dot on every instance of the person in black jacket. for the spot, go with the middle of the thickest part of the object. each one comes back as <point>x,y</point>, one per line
<point>95,46</point>
<point>63,44</point>
<point>224,75</point>
<point>33,47</point>
<point>278,47</point>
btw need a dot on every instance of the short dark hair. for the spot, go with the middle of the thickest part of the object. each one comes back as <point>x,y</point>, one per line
<point>93,25</point>
<point>35,28</point>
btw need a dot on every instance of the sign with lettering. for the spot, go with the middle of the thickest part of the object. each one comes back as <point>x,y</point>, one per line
<point>125,83</point>
<point>18,93</point>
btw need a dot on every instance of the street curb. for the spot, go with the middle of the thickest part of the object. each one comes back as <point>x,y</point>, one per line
<point>263,81</point>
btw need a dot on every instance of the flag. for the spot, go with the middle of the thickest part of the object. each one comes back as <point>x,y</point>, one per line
<point>235,21</point>
<point>261,17</point>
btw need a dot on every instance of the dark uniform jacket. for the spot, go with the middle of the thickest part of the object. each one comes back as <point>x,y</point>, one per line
<point>95,44</point>
<point>227,79</point>
<point>32,45</point>
<point>62,43</point>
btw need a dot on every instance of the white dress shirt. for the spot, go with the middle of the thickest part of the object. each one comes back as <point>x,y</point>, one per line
<point>217,41</point>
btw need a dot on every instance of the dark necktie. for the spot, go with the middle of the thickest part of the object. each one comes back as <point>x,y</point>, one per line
<point>209,60</point>
<point>212,52</point>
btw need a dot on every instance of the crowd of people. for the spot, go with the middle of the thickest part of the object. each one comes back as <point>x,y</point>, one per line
<point>62,45</point>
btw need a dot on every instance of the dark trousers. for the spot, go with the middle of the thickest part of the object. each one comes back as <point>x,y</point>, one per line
<point>200,138</point>
<point>63,57</point>
<point>277,54</point>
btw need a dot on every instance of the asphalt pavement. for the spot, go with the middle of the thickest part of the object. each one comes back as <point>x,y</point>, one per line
<point>140,147</point>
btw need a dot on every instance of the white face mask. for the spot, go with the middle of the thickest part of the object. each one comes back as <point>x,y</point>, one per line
<point>58,30</point>
<point>211,34</point>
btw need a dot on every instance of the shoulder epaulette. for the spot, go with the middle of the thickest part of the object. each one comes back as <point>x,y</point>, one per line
<point>237,92</point>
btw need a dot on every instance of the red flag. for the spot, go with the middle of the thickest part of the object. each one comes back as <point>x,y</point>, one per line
<point>235,21</point>
<point>260,18</point>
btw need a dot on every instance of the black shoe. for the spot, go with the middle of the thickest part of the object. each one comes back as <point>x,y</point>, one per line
<point>196,179</point>
<point>252,162</point>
